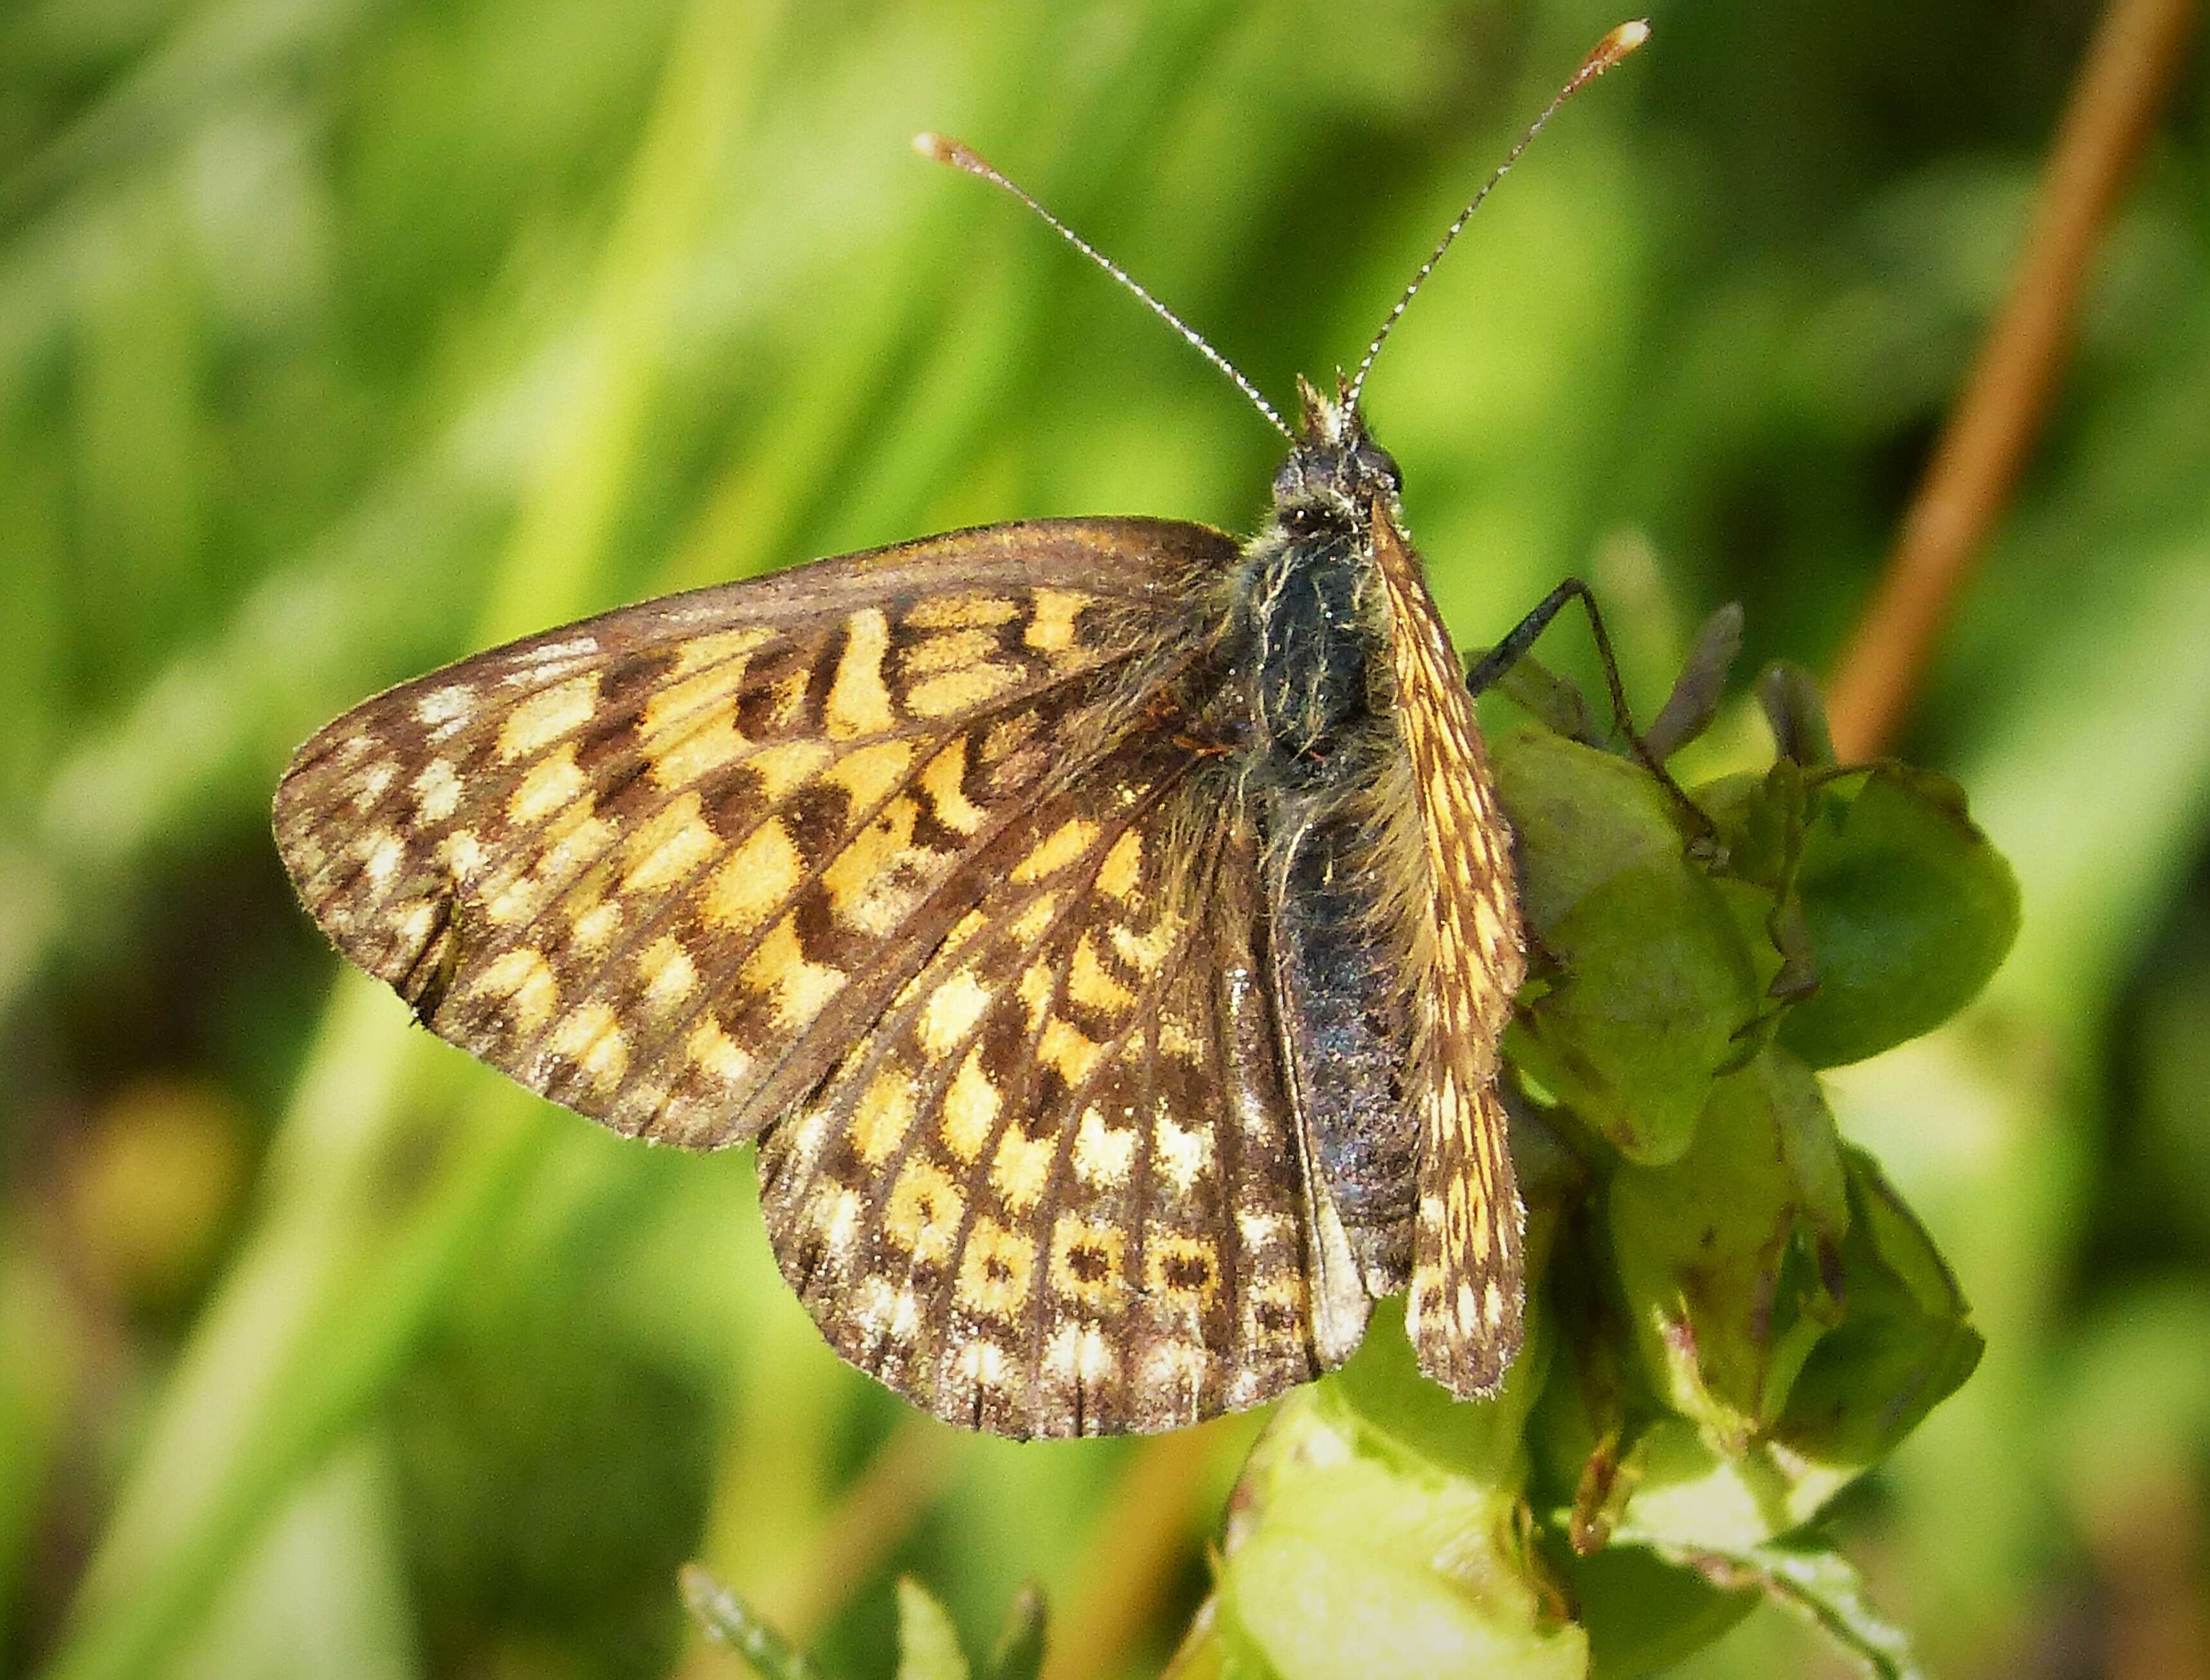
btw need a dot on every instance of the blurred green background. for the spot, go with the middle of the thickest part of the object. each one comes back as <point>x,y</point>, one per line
<point>341,337</point>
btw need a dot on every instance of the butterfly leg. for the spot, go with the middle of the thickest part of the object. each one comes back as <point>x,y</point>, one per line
<point>1490,667</point>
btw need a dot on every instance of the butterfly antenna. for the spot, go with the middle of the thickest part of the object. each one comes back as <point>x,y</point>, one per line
<point>1608,51</point>
<point>961,156</point>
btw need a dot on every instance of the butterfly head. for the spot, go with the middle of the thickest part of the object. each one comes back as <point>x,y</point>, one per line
<point>1336,473</point>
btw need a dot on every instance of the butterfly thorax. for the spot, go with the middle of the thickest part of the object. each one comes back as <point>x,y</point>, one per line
<point>1314,614</point>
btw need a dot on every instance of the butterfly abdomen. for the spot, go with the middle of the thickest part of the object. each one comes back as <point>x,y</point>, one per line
<point>1323,732</point>
<point>1347,1042</point>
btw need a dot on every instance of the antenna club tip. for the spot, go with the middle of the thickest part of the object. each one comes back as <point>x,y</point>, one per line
<point>943,148</point>
<point>1618,44</point>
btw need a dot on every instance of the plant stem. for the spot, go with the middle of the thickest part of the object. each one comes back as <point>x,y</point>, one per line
<point>2132,64</point>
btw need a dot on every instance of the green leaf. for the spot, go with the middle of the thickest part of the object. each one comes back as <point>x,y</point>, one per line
<point>1904,1343</point>
<point>1643,1614</point>
<point>1825,1587</point>
<point>1723,1255</point>
<point>928,1645</point>
<point>1909,910</point>
<point>1582,816</point>
<point>1018,1653</point>
<point>1653,983</point>
<point>1350,1555</point>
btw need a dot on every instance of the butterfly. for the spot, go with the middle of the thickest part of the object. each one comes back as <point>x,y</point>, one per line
<point>1105,927</point>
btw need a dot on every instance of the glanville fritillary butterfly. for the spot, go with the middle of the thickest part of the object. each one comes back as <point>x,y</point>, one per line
<point>1105,927</point>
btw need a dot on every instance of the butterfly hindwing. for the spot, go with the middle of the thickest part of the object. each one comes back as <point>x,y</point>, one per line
<point>663,865</point>
<point>1055,1190</point>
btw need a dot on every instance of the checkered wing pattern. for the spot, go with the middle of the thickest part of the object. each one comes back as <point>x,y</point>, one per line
<point>1463,1309</point>
<point>665,865</point>
<point>909,848</point>
<point>1054,1191</point>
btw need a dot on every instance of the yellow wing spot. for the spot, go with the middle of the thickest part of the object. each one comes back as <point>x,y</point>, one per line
<point>786,767</point>
<point>1182,1268</point>
<point>718,647</point>
<point>1069,1050</point>
<point>1283,1289</point>
<point>701,747</point>
<point>872,884</point>
<point>948,651</point>
<point>461,854</point>
<point>1036,986</point>
<point>835,1212</point>
<point>882,1118</point>
<point>581,838</point>
<point>1034,919</point>
<point>550,785</point>
<point>1102,1153</point>
<point>1178,1039</point>
<point>713,1052</point>
<point>994,1270</point>
<point>1080,1353</point>
<point>1051,619</point>
<point>436,791</point>
<point>525,980</point>
<point>382,854</point>
<point>1122,872</point>
<point>1091,987</point>
<point>872,774</point>
<point>923,1211</point>
<point>372,784</point>
<point>755,878</point>
<point>519,900</point>
<point>951,1012</point>
<point>955,692</point>
<point>547,716</point>
<point>1185,1152</point>
<point>970,1108</point>
<point>1020,1172</point>
<point>965,929</point>
<point>669,848</point>
<point>858,701</point>
<point>1174,1367</point>
<point>984,1363</point>
<point>590,1035</point>
<point>713,690</point>
<point>670,975</point>
<point>441,708</point>
<point>942,781</point>
<point>802,989</point>
<point>1144,952</point>
<point>595,928</point>
<point>961,613</point>
<point>414,925</point>
<point>1488,927</point>
<point>1086,1260</point>
<point>1069,842</point>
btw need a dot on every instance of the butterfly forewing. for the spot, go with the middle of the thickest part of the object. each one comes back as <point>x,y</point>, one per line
<point>663,865</point>
<point>1463,1309</point>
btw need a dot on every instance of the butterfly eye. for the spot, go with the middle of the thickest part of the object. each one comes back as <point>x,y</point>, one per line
<point>1309,519</point>
<point>1378,464</point>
